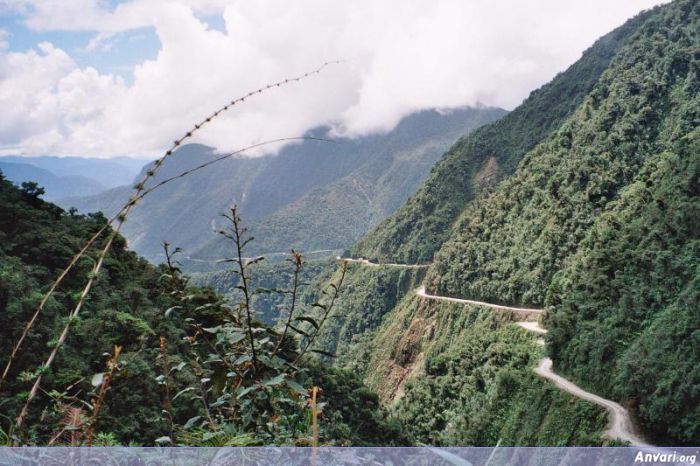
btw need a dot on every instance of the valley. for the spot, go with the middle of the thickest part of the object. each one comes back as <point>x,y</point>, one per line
<point>470,276</point>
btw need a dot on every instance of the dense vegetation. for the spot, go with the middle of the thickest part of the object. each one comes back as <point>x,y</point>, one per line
<point>611,200</point>
<point>598,223</point>
<point>626,312</point>
<point>152,358</point>
<point>369,293</point>
<point>271,275</point>
<point>311,195</point>
<point>583,200</point>
<point>491,153</point>
<point>478,388</point>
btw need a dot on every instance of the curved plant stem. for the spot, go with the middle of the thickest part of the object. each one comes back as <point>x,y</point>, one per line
<point>326,310</point>
<point>120,219</point>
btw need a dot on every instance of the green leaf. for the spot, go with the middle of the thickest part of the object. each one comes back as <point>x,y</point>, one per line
<point>273,382</point>
<point>170,311</point>
<point>191,422</point>
<point>243,359</point>
<point>178,368</point>
<point>236,337</point>
<point>182,392</point>
<point>297,388</point>
<point>244,391</point>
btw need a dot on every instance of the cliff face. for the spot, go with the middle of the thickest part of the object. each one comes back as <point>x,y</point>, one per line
<point>594,215</point>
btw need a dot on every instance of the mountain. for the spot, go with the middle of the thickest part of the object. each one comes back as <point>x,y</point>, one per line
<point>110,173</point>
<point>582,201</point>
<point>145,392</point>
<point>56,187</point>
<point>310,196</point>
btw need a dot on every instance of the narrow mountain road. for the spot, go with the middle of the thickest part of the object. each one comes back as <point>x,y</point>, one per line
<point>621,425</point>
<point>421,292</point>
<point>374,264</point>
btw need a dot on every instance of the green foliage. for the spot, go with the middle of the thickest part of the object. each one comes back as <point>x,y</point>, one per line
<point>418,229</point>
<point>610,201</point>
<point>509,245</point>
<point>186,374</point>
<point>475,384</point>
<point>37,240</point>
<point>268,275</point>
<point>626,310</point>
<point>369,293</point>
<point>310,196</point>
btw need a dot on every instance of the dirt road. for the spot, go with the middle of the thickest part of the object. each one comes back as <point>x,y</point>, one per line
<point>621,425</point>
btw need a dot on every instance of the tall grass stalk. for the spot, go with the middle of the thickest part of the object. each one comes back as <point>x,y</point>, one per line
<point>120,218</point>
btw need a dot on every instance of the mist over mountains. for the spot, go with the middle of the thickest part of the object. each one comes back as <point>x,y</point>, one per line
<point>310,196</point>
<point>528,278</point>
<point>70,176</point>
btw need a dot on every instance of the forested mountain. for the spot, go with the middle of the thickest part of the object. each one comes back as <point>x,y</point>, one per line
<point>575,217</point>
<point>583,200</point>
<point>312,195</point>
<point>132,370</point>
<point>476,163</point>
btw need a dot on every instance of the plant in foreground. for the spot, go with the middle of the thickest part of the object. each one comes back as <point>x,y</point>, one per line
<point>248,378</point>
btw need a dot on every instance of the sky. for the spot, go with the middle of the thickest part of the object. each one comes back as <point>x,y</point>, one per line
<point>101,78</point>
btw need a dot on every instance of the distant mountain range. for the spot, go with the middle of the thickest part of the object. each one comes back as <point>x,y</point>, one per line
<point>70,176</point>
<point>310,196</point>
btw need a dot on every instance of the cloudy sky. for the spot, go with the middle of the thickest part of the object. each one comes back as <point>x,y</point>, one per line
<point>106,77</point>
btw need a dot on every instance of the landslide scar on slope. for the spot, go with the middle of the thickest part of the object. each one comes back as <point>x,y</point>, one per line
<point>407,357</point>
<point>486,177</point>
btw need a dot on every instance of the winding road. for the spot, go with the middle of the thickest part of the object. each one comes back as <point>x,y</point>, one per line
<point>375,264</point>
<point>621,425</point>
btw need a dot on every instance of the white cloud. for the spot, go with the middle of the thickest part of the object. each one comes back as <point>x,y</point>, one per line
<point>400,56</point>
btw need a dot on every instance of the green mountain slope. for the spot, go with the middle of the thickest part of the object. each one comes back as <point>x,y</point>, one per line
<point>477,162</point>
<point>311,195</point>
<point>37,239</point>
<point>598,222</point>
<point>609,206</point>
<point>126,307</point>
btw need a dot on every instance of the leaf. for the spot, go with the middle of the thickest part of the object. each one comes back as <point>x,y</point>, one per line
<point>182,392</point>
<point>191,422</point>
<point>164,439</point>
<point>170,311</point>
<point>297,387</point>
<point>273,382</point>
<point>242,359</point>
<point>178,368</point>
<point>97,379</point>
<point>212,329</point>
<point>310,320</point>
<point>236,337</point>
<point>244,391</point>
